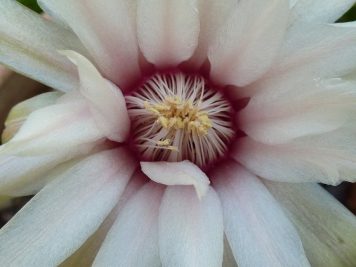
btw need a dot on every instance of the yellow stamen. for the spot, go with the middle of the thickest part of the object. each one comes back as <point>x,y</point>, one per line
<point>174,113</point>
<point>167,144</point>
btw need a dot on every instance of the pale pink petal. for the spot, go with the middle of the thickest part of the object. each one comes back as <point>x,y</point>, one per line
<point>107,29</point>
<point>212,16</point>
<point>177,173</point>
<point>168,31</point>
<point>248,43</point>
<point>190,229</point>
<point>106,101</point>
<point>29,45</point>
<point>86,254</point>
<point>258,231</point>
<point>307,107</point>
<point>133,239</point>
<point>66,212</point>
<point>319,11</point>
<point>327,158</point>
<point>326,227</point>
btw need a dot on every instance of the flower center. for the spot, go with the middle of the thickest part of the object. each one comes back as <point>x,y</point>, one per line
<point>179,117</point>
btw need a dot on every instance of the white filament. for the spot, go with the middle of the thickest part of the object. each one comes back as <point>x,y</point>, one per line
<point>207,128</point>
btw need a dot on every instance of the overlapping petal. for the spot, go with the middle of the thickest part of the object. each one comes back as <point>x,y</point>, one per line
<point>106,101</point>
<point>66,212</point>
<point>190,229</point>
<point>67,125</point>
<point>26,175</point>
<point>107,29</point>
<point>327,158</point>
<point>306,107</point>
<point>29,44</point>
<point>133,239</point>
<point>258,231</point>
<point>315,50</point>
<point>20,112</point>
<point>312,52</point>
<point>168,31</point>
<point>212,16</point>
<point>248,43</point>
<point>37,147</point>
<point>177,173</point>
<point>86,254</point>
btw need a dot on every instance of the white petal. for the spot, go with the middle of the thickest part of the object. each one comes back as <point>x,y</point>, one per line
<point>312,53</point>
<point>258,231</point>
<point>320,11</point>
<point>68,132</point>
<point>282,114</point>
<point>29,44</point>
<point>327,228</point>
<point>86,254</point>
<point>66,212</point>
<point>133,239</point>
<point>107,29</point>
<point>190,229</point>
<point>316,51</point>
<point>177,173</point>
<point>106,101</point>
<point>168,31</point>
<point>22,176</point>
<point>20,112</point>
<point>328,158</point>
<point>66,125</point>
<point>248,43</point>
<point>212,15</point>
<point>292,3</point>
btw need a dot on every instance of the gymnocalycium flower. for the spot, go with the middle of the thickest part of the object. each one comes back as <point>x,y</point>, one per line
<point>181,133</point>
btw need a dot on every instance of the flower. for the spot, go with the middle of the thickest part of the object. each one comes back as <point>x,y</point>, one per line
<point>183,133</point>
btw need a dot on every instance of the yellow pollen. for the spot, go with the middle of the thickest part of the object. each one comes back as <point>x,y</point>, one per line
<point>176,114</point>
<point>166,143</point>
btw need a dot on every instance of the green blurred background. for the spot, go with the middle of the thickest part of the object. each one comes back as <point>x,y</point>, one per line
<point>31,4</point>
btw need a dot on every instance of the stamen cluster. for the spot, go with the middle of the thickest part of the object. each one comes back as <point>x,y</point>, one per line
<point>176,117</point>
<point>175,113</point>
